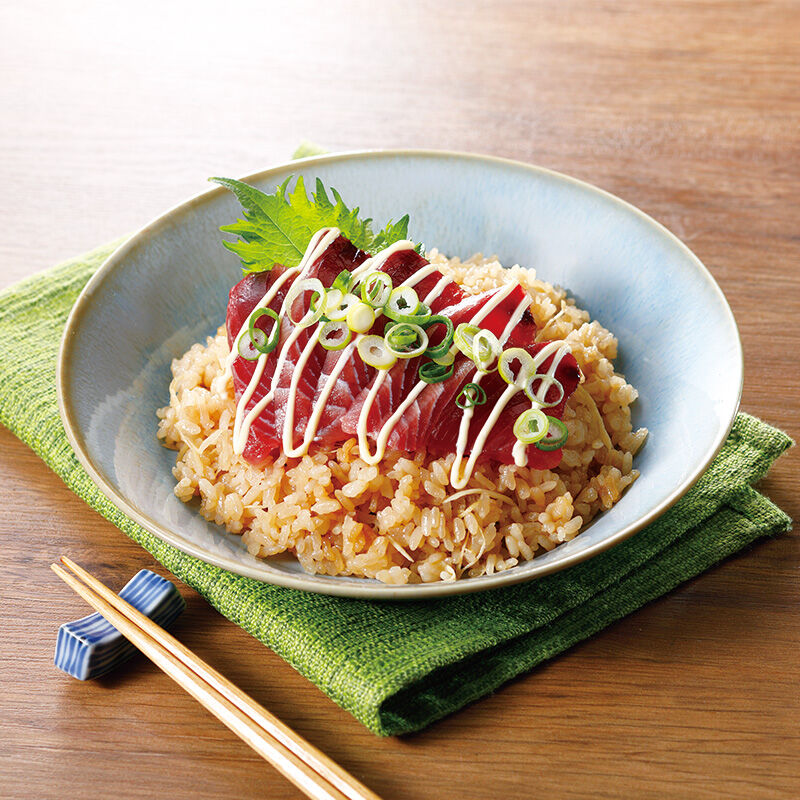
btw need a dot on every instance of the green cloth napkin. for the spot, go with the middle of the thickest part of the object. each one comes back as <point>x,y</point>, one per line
<point>397,667</point>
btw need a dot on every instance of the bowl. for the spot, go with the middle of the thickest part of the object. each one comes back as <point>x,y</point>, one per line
<point>167,288</point>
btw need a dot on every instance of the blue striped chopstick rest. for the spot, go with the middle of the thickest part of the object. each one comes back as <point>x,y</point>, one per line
<point>92,646</point>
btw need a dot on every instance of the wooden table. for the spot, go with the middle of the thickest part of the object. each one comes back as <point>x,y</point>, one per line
<point>690,110</point>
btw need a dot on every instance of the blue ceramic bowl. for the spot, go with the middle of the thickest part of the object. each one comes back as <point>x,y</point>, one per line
<point>167,287</point>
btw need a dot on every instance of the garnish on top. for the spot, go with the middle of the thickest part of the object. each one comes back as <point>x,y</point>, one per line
<point>277,227</point>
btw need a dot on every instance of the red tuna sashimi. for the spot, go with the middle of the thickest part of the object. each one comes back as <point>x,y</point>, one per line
<point>500,443</point>
<point>412,431</point>
<point>265,433</point>
<point>340,255</point>
<point>243,298</point>
<point>356,377</point>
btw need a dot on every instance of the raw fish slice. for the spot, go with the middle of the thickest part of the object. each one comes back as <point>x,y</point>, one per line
<point>411,430</point>
<point>356,377</point>
<point>243,298</point>
<point>500,442</point>
<point>340,255</point>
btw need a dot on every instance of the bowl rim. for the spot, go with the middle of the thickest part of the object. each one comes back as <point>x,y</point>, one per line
<point>360,587</point>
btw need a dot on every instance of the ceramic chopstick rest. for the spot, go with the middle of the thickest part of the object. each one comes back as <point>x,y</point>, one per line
<point>92,646</point>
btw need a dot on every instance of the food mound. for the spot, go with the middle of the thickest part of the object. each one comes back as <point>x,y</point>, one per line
<point>384,414</point>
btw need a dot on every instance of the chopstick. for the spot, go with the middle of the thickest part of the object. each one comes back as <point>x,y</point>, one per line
<point>296,759</point>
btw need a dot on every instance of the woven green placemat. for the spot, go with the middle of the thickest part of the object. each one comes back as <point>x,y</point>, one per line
<point>397,667</point>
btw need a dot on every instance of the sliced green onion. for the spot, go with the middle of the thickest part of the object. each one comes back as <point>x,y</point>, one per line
<point>360,317</point>
<point>406,340</point>
<point>471,395</point>
<point>337,309</point>
<point>527,367</point>
<point>404,306</point>
<point>431,372</point>
<point>316,306</point>
<point>335,335</point>
<point>486,349</point>
<point>258,338</point>
<point>388,326</point>
<point>343,281</point>
<point>531,426</point>
<point>375,353</point>
<point>544,381</point>
<point>248,347</point>
<point>441,349</point>
<point>447,359</point>
<point>556,436</point>
<point>376,289</point>
<point>332,300</point>
<point>463,336</point>
<point>401,337</point>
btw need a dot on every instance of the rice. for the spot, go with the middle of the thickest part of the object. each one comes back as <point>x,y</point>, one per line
<point>400,521</point>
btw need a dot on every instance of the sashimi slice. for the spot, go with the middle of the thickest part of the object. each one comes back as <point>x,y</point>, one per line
<point>304,371</point>
<point>265,434</point>
<point>353,376</point>
<point>500,442</point>
<point>411,431</point>
<point>243,298</point>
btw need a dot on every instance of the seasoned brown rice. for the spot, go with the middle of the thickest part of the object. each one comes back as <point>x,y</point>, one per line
<point>400,521</point>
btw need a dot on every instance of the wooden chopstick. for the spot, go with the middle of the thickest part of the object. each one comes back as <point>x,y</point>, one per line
<point>298,760</point>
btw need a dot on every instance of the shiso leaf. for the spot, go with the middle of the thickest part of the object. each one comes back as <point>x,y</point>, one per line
<point>276,228</point>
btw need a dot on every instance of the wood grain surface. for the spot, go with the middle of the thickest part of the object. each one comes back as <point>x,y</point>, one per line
<point>111,113</point>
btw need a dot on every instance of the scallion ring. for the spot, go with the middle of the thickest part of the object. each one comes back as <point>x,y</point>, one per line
<point>376,289</point>
<point>343,281</point>
<point>463,336</point>
<point>526,369</point>
<point>248,348</point>
<point>439,350</point>
<point>263,343</point>
<point>406,340</point>
<point>335,335</point>
<point>333,299</point>
<point>531,426</point>
<point>375,353</point>
<point>336,309</point>
<point>316,305</point>
<point>431,372</point>
<point>401,337</point>
<point>556,436</point>
<point>446,360</point>
<point>486,349</point>
<point>546,383</point>
<point>471,395</point>
<point>403,306</point>
<point>360,317</point>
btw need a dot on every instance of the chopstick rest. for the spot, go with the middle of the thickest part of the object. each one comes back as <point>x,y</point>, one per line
<point>92,646</point>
